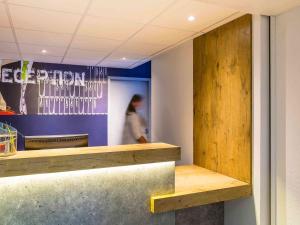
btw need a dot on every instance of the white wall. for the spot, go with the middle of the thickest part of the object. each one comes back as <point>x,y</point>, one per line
<point>287,110</point>
<point>172,99</point>
<point>256,210</point>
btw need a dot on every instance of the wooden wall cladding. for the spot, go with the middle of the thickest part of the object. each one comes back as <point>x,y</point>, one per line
<point>223,98</point>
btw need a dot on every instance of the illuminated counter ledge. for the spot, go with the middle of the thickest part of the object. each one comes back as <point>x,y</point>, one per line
<point>71,159</point>
<point>196,186</point>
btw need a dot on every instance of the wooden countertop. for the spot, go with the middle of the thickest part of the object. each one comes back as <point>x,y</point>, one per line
<point>196,186</point>
<point>70,159</point>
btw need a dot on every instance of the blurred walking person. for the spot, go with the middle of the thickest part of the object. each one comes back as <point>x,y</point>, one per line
<point>135,127</point>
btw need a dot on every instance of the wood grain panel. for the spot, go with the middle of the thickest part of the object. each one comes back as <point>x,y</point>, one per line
<point>196,186</point>
<point>71,159</point>
<point>222,99</point>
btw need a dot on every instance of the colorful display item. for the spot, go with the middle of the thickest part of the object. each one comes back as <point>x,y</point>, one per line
<point>7,113</point>
<point>8,140</point>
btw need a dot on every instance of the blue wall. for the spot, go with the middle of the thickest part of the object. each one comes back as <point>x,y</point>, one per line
<point>95,126</point>
<point>142,71</point>
<point>30,125</point>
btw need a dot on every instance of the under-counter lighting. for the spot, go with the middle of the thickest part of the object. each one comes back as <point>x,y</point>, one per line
<point>191,18</point>
<point>124,58</point>
<point>44,51</point>
<point>89,172</point>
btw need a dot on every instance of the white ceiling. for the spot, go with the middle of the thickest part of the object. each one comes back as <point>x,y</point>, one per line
<point>103,32</point>
<point>262,7</point>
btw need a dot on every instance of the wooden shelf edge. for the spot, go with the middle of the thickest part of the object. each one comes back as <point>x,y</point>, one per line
<point>195,186</point>
<point>182,200</point>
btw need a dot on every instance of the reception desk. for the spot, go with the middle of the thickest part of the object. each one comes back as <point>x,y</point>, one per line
<point>87,186</point>
<point>128,184</point>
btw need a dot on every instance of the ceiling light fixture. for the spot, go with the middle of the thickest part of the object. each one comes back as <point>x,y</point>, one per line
<point>44,51</point>
<point>191,18</point>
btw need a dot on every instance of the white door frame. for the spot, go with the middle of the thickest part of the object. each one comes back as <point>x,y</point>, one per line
<point>278,136</point>
<point>114,78</point>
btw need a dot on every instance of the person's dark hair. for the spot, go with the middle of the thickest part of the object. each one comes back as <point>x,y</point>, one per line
<point>135,98</point>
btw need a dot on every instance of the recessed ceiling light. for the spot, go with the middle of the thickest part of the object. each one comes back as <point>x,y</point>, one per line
<point>191,18</point>
<point>123,58</point>
<point>44,51</point>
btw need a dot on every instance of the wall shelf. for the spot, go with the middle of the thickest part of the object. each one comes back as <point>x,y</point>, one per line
<point>196,186</point>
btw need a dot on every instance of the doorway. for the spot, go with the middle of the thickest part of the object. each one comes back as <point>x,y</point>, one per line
<point>120,91</point>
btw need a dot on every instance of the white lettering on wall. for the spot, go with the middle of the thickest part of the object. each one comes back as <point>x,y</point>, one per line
<point>79,81</point>
<point>69,78</point>
<point>36,76</point>
<point>17,76</point>
<point>30,77</point>
<point>42,75</point>
<point>6,77</point>
<point>57,74</point>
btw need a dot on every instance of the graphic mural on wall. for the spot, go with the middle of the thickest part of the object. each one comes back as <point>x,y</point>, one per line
<point>53,89</point>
